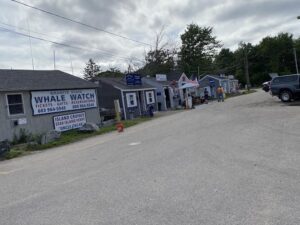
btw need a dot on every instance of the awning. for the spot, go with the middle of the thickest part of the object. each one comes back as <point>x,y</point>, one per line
<point>189,85</point>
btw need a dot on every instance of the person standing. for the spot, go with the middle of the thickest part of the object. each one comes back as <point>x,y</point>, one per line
<point>220,93</point>
<point>206,95</point>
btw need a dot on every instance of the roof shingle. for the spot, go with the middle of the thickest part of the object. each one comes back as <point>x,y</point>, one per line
<point>30,80</point>
<point>121,84</point>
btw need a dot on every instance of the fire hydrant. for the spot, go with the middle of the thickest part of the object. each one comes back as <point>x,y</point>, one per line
<point>120,127</point>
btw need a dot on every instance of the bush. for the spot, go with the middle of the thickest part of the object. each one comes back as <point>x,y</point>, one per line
<point>26,137</point>
<point>21,138</point>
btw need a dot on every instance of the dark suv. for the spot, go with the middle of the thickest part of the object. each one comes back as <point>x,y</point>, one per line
<point>286,87</point>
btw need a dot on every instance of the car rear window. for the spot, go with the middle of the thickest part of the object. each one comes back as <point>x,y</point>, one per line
<point>285,79</point>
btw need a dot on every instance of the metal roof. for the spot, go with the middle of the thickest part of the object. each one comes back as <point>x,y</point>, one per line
<point>174,75</point>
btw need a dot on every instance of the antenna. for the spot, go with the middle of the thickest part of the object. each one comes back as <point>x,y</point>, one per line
<point>54,60</point>
<point>71,64</point>
<point>29,36</point>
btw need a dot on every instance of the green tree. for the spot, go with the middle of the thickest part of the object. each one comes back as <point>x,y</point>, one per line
<point>198,49</point>
<point>91,69</point>
<point>111,72</point>
<point>243,56</point>
<point>277,53</point>
<point>161,59</point>
<point>225,62</point>
<point>158,61</point>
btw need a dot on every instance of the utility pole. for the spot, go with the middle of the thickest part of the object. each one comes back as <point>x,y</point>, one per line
<point>71,65</point>
<point>247,68</point>
<point>296,61</point>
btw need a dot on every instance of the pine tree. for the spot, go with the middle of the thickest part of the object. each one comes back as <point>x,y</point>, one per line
<point>91,69</point>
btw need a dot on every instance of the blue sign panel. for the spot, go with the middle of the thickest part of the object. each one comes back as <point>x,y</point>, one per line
<point>129,79</point>
<point>211,81</point>
<point>137,79</point>
<point>133,79</point>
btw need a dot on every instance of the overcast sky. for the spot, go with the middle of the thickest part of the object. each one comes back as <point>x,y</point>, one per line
<point>233,21</point>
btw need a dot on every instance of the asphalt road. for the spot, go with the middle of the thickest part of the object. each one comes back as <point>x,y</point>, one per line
<point>236,162</point>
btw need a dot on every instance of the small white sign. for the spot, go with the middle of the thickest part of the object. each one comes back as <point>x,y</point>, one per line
<point>69,122</point>
<point>22,121</point>
<point>161,77</point>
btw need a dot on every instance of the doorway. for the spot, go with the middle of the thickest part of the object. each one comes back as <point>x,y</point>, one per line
<point>167,95</point>
<point>142,102</point>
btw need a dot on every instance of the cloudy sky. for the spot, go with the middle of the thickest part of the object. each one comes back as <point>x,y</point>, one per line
<point>233,21</point>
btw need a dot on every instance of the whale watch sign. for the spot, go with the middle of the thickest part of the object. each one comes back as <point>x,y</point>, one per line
<point>45,102</point>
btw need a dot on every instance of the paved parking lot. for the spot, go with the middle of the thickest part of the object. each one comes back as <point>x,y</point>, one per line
<point>236,162</point>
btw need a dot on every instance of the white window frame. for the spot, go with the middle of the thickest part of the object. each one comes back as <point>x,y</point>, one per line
<point>129,105</point>
<point>148,97</point>
<point>7,105</point>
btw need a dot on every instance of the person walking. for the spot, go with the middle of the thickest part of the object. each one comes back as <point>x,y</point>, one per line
<point>220,93</point>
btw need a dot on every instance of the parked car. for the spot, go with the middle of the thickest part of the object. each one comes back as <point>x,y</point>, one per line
<point>266,86</point>
<point>286,87</point>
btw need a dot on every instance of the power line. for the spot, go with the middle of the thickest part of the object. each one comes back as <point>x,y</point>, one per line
<point>62,44</point>
<point>67,45</point>
<point>31,31</point>
<point>80,23</point>
<point>97,49</point>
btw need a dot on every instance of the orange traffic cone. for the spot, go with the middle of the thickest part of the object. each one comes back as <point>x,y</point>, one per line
<point>120,127</point>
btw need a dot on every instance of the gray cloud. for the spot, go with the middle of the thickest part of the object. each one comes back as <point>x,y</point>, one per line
<point>233,21</point>
<point>103,14</point>
<point>258,10</point>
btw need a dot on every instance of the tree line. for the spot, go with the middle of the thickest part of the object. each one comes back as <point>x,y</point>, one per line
<point>201,53</point>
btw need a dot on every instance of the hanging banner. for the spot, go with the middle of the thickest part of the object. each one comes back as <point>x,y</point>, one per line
<point>69,122</point>
<point>45,102</point>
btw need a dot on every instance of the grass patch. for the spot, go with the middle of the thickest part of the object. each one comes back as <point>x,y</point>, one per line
<point>13,153</point>
<point>66,138</point>
<point>73,135</point>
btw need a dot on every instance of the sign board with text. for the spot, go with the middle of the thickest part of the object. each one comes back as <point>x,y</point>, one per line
<point>45,102</point>
<point>161,77</point>
<point>69,122</point>
<point>133,79</point>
